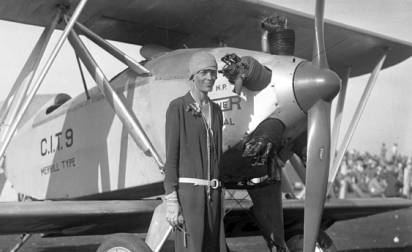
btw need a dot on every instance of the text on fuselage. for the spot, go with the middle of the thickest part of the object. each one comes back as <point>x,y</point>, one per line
<point>56,142</point>
<point>58,166</point>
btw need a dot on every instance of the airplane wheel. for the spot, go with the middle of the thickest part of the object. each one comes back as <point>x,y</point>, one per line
<point>123,243</point>
<point>324,244</point>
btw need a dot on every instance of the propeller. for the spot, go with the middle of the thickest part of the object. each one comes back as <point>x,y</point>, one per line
<point>315,86</point>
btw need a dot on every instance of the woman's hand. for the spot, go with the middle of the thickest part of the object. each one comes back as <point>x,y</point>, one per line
<point>173,212</point>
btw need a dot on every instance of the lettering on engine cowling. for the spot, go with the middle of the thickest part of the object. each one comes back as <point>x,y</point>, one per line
<point>228,103</point>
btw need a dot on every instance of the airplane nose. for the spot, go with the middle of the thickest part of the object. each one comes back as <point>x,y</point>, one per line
<point>311,83</point>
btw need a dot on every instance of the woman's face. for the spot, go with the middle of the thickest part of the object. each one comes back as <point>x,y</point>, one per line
<point>205,79</point>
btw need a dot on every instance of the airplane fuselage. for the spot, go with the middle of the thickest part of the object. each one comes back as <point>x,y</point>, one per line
<point>83,149</point>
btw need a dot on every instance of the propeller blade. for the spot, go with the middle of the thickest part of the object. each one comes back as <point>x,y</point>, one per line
<point>318,157</point>
<point>319,135</point>
<point>319,52</point>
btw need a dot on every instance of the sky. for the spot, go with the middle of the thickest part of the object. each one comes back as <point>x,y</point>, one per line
<point>388,114</point>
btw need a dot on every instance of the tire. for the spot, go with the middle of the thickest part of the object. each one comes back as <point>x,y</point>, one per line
<point>123,243</point>
<point>325,243</point>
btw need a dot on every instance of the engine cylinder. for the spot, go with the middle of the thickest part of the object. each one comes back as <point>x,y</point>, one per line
<point>282,42</point>
<point>257,76</point>
<point>277,38</point>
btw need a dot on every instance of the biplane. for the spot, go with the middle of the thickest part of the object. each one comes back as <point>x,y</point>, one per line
<point>92,164</point>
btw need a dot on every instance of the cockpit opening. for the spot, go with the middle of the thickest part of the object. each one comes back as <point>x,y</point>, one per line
<point>59,100</point>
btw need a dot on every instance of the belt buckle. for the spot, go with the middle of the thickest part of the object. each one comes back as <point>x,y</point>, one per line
<point>214,183</point>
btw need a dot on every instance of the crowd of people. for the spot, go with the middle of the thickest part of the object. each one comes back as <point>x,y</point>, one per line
<point>362,174</point>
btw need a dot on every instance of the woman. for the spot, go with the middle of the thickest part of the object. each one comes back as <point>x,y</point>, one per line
<point>193,151</point>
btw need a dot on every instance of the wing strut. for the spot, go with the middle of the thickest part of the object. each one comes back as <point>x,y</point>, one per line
<point>34,87</point>
<point>299,167</point>
<point>18,92</point>
<point>24,238</point>
<point>116,101</point>
<point>337,122</point>
<point>355,119</point>
<point>130,62</point>
<point>338,114</point>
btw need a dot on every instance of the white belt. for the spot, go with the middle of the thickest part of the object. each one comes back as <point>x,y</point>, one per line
<point>214,183</point>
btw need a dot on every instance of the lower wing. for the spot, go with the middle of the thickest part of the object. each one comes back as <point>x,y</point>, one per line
<point>65,218</point>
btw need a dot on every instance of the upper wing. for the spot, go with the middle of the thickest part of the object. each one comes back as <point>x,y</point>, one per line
<point>201,23</point>
<point>103,217</point>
